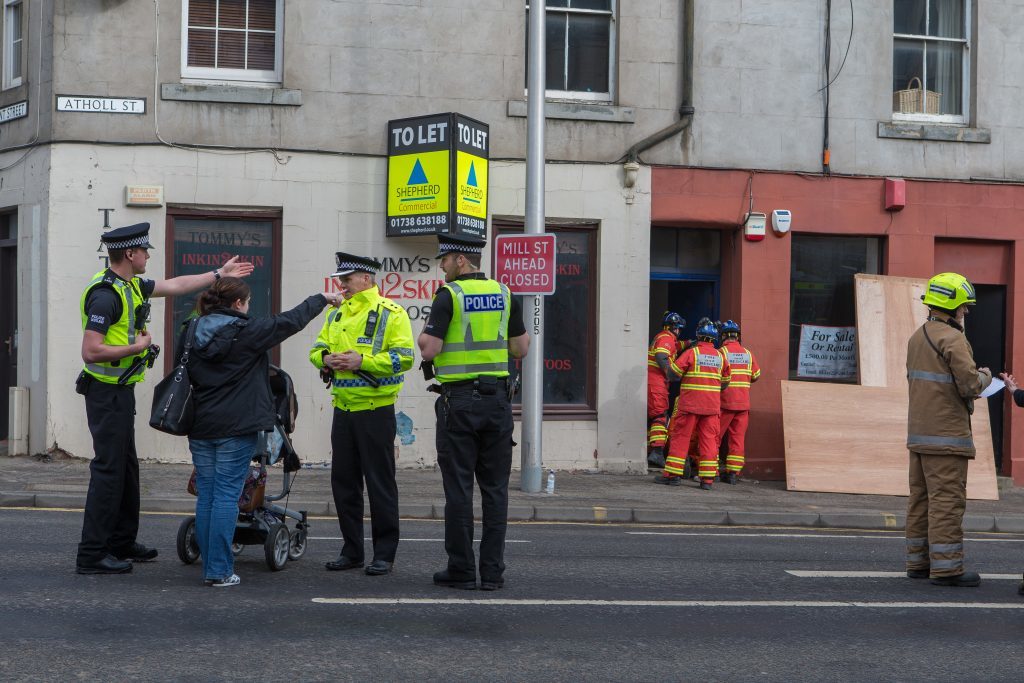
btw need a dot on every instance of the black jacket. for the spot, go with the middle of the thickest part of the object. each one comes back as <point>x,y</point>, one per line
<point>229,368</point>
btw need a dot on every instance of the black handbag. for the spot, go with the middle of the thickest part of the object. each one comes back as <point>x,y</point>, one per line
<point>173,404</point>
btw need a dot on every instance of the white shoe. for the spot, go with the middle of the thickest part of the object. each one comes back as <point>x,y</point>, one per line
<point>232,580</point>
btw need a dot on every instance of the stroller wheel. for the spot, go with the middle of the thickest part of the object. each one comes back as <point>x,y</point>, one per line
<point>188,547</point>
<point>297,545</point>
<point>276,547</point>
<point>236,549</point>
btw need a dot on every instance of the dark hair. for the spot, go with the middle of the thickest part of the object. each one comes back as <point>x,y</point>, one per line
<point>116,255</point>
<point>222,294</point>
<point>474,259</point>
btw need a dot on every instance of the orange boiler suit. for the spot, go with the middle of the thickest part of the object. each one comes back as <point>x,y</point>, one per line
<point>657,388</point>
<point>736,402</point>
<point>704,370</point>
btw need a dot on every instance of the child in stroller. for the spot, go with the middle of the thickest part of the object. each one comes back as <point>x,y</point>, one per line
<point>261,521</point>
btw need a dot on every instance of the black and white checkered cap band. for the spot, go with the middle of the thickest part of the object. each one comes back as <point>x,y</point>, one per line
<point>129,243</point>
<point>346,267</point>
<point>445,247</point>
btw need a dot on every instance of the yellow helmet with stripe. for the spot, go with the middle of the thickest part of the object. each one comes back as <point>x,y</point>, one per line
<point>949,291</point>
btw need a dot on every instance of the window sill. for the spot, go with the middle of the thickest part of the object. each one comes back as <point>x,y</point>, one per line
<point>577,111</point>
<point>932,131</point>
<point>230,94</point>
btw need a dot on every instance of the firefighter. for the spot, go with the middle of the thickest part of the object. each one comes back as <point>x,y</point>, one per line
<point>664,349</point>
<point>705,372</point>
<point>736,398</point>
<point>944,381</point>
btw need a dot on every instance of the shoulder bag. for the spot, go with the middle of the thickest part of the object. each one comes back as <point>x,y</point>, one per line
<point>173,404</point>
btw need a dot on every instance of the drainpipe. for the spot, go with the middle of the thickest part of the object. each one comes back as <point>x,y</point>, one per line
<point>632,156</point>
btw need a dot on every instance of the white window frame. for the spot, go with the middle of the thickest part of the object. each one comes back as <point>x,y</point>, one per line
<point>10,79</point>
<point>579,95</point>
<point>965,73</point>
<point>258,76</point>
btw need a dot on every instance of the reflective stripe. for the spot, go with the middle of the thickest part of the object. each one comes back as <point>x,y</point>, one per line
<point>131,312</point>
<point>947,564</point>
<point>382,326</point>
<point>922,440</point>
<point>917,541</point>
<point>917,557</point>
<point>104,370</point>
<point>332,315</point>
<point>940,377</point>
<point>320,345</point>
<point>473,367</point>
<point>471,345</point>
<point>402,351</point>
<point>396,361</point>
<point>947,548</point>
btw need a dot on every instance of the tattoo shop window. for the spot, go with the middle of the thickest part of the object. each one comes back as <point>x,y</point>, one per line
<point>233,40</point>
<point>822,313</point>
<point>13,42</point>
<point>200,241</point>
<point>931,60</point>
<point>570,324</point>
<point>580,43</point>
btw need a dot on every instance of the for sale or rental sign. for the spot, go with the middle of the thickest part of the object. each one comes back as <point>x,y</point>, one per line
<point>525,263</point>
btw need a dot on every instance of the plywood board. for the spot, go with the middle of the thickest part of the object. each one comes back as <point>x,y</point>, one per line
<point>845,438</point>
<point>889,310</point>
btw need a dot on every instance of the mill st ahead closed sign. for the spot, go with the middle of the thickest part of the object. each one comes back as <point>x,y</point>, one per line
<point>437,176</point>
<point>526,263</point>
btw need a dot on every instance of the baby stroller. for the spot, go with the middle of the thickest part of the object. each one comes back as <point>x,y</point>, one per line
<point>260,520</point>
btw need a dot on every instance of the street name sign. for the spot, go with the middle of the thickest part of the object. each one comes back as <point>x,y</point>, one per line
<point>101,105</point>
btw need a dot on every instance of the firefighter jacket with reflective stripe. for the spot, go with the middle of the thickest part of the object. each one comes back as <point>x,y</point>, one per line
<point>380,331</point>
<point>122,331</point>
<point>944,381</point>
<point>703,370</point>
<point>664,342</point>
<point>744,370</point>
<point>476,341</point>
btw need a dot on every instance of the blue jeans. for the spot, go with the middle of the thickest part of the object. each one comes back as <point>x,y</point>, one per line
<point>221,466</point>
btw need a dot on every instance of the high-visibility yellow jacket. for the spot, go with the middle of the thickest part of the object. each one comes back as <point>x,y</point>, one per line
<point>476,341</point>
<point>380,331</point>
<point>121,332</point>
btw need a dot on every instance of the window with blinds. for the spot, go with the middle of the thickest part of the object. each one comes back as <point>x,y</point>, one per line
<point>232,39</point>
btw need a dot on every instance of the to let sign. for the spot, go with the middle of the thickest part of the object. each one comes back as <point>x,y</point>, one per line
<point>526,263</point>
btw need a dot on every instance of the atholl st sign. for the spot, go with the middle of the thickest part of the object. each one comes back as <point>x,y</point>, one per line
<point>101,105</point>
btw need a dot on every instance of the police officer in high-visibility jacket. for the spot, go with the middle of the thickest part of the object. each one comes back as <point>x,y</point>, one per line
<point>704,370</point>
<point>943,383</point>
<point>736,399</point>
<point>663,350</point>
<point>116,349</point>
<point>365,346</point>
<point>475,324</point>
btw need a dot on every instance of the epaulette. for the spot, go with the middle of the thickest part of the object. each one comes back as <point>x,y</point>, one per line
<point>392,306</point>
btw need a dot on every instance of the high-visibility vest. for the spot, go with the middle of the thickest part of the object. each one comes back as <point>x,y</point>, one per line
<point>476,342</point>
<point>121,332</point>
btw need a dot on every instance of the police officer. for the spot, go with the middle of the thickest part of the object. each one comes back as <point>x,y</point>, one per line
<point>475,324</point>
<point>116,348</point>
<point>366,347</point>
<point>944,382</point>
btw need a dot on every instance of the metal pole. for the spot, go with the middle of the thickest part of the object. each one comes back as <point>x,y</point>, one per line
<point>533,364</point>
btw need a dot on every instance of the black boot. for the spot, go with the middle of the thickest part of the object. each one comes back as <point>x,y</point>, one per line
<point>729,478</point>
<point>967,579</point>
<point>656,457</point>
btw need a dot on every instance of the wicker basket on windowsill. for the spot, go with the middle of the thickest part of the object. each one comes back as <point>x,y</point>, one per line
<point>915,100</point>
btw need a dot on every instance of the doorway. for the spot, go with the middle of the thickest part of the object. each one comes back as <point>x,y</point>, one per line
<point>8,314</point>
<point>986,330</point>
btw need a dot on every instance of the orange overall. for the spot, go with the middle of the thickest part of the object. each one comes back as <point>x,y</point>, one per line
<point>703,369</point>
<point>736,402</point>
<point>657,389</point>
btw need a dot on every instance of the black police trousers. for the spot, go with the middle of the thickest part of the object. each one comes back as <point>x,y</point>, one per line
<point>363,446</point>
<point>474,437</point>
<point>111,520</point>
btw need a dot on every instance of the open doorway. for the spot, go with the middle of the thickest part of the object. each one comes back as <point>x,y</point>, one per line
<point>986,330</point>
<point>8,316</point>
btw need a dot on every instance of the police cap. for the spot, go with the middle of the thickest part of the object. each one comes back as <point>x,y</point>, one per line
<point>350,263</point>
<point>447,244</point>
<point>129,237</point>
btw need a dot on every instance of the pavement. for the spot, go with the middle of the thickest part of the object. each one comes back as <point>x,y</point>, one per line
<point>55,481</point>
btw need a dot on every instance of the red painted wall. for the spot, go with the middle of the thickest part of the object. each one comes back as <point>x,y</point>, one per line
<point>944,223</point>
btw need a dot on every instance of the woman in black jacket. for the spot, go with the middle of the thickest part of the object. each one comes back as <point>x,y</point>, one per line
<point>228,366</point>
<point>1018,397</point>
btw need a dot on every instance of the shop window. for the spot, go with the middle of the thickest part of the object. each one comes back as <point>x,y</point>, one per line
<point>198,242</point>
<point>930,63</point>
<point>570,324</point>
<point>822,312</point>
<point>12,43</point>
<point>234,40</point>
<point>580,43</point>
